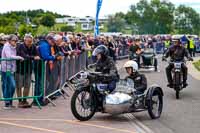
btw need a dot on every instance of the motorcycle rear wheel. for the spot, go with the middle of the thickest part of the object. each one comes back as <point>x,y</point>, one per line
<point>177,84</point>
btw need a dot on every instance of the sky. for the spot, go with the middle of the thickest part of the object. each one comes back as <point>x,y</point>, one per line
<point>80,8</point>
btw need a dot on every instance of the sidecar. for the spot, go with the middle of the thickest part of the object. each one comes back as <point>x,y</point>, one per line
<point>149,59</point>
<point>125,99</point>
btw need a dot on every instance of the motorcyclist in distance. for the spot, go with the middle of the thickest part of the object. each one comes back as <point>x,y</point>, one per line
<point>177,52</point>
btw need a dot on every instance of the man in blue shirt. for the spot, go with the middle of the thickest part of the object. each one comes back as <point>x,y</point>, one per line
<point>45,48</point>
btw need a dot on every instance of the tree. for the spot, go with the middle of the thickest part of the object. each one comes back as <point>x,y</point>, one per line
<point>42,30</point>
<point>67,28</point>
<point>187,20</point>
<point>163,16</point>
<point>36,20</point>
<point>151,17</point>
<point>115,24</point>
<point>23,29</point>
<point>7,29</point>
<point>47,20</point>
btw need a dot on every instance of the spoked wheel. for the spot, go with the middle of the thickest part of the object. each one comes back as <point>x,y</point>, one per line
<point>177,86</point>
<point>155,104</point>
<point>177,94</point>
<point>83,104</point>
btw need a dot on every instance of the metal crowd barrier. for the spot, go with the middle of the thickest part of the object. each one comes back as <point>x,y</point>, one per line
<point>22,80</point>
<point>37,79</point>
<point>56,78</point>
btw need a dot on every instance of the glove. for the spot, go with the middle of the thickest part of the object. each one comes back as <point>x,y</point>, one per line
<point>164,59</point>
<point>92,77</point>
<point>190,59</point>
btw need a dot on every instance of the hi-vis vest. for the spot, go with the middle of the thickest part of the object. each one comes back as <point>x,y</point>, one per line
<point>191,44</point>
<point>89,52</point>
<point>167,44</point>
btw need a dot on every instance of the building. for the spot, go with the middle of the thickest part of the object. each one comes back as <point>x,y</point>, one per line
<point>87,23</point>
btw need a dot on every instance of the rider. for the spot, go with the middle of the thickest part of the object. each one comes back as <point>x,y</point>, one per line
<point>177,52</point>
<point>135,50</point>
<point>140,81</point>
<point>106,65</point>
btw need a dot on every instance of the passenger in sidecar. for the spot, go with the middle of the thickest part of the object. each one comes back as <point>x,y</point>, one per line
<point>140,81</point>
<point>149,58</point>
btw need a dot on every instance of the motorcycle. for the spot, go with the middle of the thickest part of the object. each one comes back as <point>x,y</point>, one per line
<point>91,96</point>
<point>177,77</point>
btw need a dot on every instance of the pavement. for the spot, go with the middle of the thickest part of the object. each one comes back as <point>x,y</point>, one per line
<point>179,116</point>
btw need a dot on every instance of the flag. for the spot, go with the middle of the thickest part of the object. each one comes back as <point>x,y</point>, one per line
<point>96,28</point>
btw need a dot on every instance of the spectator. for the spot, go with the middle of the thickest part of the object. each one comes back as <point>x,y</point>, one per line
<point>111,48</point>
<point>8,70</point>
<point>65,48</point>
<point>45,48</point>
<point>24,69</point>
<point>2,42</point>
<point>58,47</point>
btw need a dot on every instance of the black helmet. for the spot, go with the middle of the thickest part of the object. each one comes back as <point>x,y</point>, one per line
<point>101,49</point>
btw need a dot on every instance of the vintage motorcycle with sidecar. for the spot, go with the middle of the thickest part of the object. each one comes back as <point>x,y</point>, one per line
<point>149,59</point>
<point>91,96</point>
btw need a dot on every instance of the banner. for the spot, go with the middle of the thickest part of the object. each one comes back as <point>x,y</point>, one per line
<point>96,28</point>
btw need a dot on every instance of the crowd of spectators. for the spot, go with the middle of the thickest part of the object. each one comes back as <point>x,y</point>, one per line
<point>25,52</point>
<point>19,56</point>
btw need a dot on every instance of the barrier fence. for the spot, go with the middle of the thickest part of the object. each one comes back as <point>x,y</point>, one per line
<point>28,79</point>
<point>21,80</point>
<point>41,79</point>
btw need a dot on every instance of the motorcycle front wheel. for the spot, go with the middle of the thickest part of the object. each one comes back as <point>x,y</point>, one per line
<point>83,104</point>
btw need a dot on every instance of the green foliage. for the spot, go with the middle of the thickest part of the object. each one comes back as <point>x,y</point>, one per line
<point>23,29</point>
<point>151,17</point>
<point>47,20</point>
<point>115,23</point>
<point>157,17</point>
<point>197,65</point>
<point>7,29</point>
<point>145,17</point>
<point>37,17</point>
<point>187,20</point>
<point>67,28</point>
<point>42,30</point>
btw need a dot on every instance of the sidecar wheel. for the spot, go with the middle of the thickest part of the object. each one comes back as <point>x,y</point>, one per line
<point>155,104</point>
<point>83,104</point>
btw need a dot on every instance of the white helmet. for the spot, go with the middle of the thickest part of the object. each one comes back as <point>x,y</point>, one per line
<point>132,64</point>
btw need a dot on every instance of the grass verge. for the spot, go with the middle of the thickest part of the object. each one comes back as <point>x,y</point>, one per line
<point>197,65</point>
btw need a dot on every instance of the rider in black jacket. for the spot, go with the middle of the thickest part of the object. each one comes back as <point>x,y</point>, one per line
<point>140,81</point>
<point>177,52</point>
<point>106,65</point>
